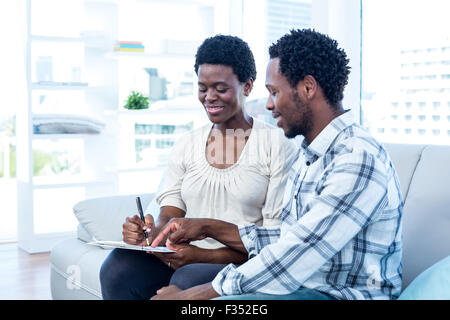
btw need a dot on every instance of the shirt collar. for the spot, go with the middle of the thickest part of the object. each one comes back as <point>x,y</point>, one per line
<point>322,142</point>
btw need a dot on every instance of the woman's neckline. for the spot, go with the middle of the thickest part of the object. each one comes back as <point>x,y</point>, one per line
<point>244,150</point>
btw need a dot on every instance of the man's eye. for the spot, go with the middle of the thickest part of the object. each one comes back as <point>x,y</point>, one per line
<point>271,92</point>
<point>202,89</point>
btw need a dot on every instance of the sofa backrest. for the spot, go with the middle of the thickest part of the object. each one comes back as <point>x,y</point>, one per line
<point>424,174</point>
<point>102,218</point>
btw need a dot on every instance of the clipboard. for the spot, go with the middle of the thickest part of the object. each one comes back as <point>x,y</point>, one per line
<point>123,245</point>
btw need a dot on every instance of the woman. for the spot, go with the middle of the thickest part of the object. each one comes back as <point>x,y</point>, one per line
<point>234,169</point>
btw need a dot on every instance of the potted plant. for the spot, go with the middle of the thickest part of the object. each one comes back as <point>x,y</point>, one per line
<point>136,101</point>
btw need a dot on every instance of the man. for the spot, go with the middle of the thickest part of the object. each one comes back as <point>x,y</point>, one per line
<point>340,235</point>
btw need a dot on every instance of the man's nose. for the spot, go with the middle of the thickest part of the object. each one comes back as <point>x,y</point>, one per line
<point>269,104</point>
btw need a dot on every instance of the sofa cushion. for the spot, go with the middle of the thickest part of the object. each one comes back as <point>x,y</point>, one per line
<point>83,234</point>
<point>426,219</point>
<point>432,284</point>
<point>405,158</point>
<point>103,218</point>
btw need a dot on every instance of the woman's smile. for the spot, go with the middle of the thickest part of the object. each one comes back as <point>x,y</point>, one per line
<point>214,109</point>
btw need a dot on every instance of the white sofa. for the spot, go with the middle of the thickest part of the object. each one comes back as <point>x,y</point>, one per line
<point>424,173</point>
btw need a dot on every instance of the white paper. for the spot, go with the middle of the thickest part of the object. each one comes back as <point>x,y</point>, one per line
<point>123,245</point>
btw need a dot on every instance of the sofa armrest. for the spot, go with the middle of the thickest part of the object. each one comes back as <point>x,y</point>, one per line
<point>102,218</point>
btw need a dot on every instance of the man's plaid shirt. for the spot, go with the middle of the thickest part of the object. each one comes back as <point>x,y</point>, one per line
<point>341,224</point>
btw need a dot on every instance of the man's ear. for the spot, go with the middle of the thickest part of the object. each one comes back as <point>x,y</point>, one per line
<point>308,87</point>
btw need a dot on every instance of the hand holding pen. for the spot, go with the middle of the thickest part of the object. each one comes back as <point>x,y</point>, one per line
<point>141,214</point>
<point>137,229</point>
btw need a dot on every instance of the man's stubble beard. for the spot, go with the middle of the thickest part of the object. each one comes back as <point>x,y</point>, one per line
<point>302,118</point>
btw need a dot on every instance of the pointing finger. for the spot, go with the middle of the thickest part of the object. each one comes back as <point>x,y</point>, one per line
<point>170,227</point>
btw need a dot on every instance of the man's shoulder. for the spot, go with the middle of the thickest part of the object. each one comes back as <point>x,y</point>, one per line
<point>355,141</point>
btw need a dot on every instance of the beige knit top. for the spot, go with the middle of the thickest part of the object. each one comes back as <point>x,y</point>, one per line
<point>248,192</point>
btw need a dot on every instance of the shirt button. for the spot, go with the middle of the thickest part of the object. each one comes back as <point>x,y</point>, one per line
<point>308,163</point>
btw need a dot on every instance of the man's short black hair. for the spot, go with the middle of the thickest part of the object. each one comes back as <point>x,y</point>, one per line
<point>228,51</point>
<point>307,52</point>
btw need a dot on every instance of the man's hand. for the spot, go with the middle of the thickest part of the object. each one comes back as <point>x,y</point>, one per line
<point>181,230</point>
<point>201,292</point>
<point>171,292</point>
<point>185,254</point>
<point>133,229</point>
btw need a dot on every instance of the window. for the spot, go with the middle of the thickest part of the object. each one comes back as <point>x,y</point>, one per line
<point>404,62</point>
<point>264,22</point>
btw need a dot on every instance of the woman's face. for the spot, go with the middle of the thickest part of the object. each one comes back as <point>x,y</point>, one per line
<point>221,93</point>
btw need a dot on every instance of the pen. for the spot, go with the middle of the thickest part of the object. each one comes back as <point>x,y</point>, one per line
<point>141,213</point>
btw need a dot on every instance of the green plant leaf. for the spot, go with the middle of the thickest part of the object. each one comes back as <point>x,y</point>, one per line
<point>136,101</point>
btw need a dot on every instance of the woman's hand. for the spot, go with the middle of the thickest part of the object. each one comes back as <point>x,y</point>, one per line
<point>133,229</point>
<point>185,254</point>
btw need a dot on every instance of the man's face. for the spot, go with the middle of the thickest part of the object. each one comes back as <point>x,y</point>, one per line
<point>293,113</point>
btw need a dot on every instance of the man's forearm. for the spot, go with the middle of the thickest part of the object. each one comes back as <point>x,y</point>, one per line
<point>200,292</point>
<point>222,256</point>
<point>224,232</point>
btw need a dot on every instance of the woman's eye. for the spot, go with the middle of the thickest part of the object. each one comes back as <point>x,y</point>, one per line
<point>221,90</point>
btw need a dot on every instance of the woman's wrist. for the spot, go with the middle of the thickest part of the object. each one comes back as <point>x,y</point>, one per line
<point>204,255</point>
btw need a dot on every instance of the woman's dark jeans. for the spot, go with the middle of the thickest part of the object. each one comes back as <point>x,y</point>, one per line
<point>137,275</point>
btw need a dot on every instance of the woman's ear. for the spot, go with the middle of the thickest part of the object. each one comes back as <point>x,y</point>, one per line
<point>248,86</point>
